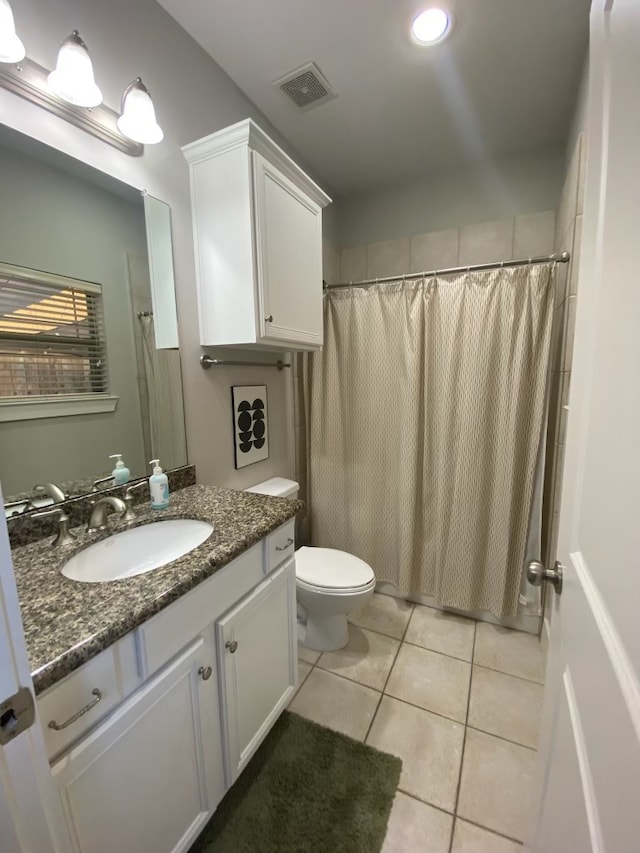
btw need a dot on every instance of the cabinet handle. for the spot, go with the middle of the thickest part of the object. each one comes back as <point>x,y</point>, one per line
<point>58,727</point>
<point>205,672</point>
<point>232,645</point>
<point>284,547</point>
<point>269,319</point>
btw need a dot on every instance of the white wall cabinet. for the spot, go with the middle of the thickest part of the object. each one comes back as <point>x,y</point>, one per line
<point>214,671</point>
<point>138,782</point>
<point>257,663</point>
<point>257,220</point>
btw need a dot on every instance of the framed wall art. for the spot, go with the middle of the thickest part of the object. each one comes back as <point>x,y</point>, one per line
<point>250,424</point>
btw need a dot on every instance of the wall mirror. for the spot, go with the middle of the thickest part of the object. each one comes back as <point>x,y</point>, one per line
<point>81,374</point>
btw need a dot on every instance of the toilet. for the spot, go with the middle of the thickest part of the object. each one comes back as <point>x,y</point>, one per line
<point>330,584</point>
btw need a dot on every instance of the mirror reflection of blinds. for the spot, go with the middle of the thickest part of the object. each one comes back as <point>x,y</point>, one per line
<point>52,339</point>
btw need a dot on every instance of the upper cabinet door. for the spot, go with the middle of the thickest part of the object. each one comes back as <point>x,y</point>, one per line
<point>289,258</point>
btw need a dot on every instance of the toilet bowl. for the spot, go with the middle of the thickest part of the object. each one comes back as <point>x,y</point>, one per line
<point>330,584</point>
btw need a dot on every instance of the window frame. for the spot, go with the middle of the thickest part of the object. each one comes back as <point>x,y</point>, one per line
<point>55,405</point>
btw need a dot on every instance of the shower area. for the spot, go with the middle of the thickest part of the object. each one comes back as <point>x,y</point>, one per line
<point>421,429</point>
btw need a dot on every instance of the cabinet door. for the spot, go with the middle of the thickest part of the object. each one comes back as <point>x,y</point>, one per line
<point>257,654</point>
<point>289,259</point>
<point>141,781</point>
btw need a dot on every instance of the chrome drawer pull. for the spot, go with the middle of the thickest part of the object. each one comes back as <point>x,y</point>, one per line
<point>58,728</point>
<point>284,547</point>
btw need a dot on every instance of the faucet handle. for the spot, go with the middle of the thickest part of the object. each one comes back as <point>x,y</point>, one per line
<point>128,499</point>
<point>64,536</point>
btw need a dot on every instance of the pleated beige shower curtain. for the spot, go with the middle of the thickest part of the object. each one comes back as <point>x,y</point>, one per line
<point>424,414</point>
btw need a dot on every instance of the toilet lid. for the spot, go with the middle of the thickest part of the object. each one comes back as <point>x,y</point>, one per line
<point>332,569</point>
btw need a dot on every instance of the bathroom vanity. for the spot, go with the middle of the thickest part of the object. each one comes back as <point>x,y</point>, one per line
<point>187,668</point>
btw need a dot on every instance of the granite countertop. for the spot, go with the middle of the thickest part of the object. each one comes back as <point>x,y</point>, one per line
<point>66,622</point>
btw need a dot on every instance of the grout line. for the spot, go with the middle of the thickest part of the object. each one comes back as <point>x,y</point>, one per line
<point>424,802</point>
<point>437,651</point>
<point>501,737</point>
<point>502,672</point>
<point>384,686</point>
<point>464,741</point>
<point>492,831</point>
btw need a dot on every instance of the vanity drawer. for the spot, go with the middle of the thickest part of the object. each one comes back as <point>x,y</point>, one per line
<point>167,633</point>
<point>66,699</point>
<point>280,545</point>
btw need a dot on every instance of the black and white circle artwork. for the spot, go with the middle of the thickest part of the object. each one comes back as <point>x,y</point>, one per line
<point>250,427</point>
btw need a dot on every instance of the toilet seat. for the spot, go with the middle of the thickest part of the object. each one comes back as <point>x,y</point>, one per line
<point>328,569</point>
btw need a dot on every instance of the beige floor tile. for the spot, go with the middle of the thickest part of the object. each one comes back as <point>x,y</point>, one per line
<point>383,613</point>
<point>307,655</point>
<point>441,632</point>
<point>509,651</point>
<point>506,706</point>
<point>367,658</point>
<point>495,788</point>
<point>415,827</point>
<point>468,838</point>
<point>337,703</point>
<point>436,682</point>
<point>430,748</point>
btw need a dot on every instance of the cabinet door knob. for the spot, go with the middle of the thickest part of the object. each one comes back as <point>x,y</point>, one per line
<point>205,672</point>
<point>232,645</point>
<point>269,319</point>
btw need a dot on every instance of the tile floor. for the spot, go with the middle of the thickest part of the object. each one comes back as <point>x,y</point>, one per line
<point>459,701</point>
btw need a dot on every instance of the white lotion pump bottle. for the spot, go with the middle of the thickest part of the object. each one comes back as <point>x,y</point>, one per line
<point>120,473</point>
<point>158,486</point>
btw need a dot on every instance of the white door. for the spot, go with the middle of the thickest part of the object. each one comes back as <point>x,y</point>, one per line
<point>588,787</point>
<point>257,653</point>
<point>289,258</point>
<point>147,764</point>
<point>30,819</point>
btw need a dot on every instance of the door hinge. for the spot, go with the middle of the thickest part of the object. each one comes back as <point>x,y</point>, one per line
<point>17,714</point>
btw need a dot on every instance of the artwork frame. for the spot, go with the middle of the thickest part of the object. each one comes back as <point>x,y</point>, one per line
<point>249,407</point>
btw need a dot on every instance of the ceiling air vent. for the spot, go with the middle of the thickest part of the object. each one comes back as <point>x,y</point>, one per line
<point>306,86</point>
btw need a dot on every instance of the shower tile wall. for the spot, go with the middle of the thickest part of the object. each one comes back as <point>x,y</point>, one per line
<point>566,238</point>
<point>504,239</point>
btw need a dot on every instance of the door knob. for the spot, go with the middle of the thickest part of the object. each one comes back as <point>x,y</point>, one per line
<point>536,573</point>
<point>232,645</point>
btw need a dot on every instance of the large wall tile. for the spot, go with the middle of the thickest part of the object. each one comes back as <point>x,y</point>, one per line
<point>568,204</point>
<point>436,250</point>
<point>582,171</point>
<point>331,271</point>
<point>391,257</point>
<point>533,234</point>
<point>353,264</point>
<point>575,257</point>
<point>486,242</point>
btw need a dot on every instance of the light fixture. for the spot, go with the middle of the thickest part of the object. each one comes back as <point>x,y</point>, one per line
<point>138,119</point>
<point>11,48</point>
<point>72,79</point>
<point>431,26</point>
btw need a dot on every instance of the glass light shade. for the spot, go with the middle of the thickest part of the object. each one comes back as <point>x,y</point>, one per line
<point>431,26</point>
<point>72,80</point>
<point>138,119</point>
<point>11,48</point>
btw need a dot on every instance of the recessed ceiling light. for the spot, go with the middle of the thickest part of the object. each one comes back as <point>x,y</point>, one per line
<point>431,26</point>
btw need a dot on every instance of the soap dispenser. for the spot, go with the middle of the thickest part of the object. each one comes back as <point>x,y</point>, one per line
<point>158,486</point>
<point>120,473</point>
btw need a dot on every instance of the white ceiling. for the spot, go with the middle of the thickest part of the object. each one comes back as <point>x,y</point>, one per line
<point>504,82</point>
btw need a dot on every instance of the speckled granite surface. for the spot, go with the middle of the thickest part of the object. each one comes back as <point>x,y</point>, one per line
<point>27,527</point>
<point>66,623</point>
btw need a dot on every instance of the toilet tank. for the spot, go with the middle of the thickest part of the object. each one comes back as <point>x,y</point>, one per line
<point>277,487</point>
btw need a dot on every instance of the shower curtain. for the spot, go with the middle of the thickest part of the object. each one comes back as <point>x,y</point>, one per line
<point>166,410</point>
<point>424,413</point>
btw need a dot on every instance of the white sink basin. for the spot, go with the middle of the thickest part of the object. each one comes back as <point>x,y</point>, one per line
<point>134,552</point>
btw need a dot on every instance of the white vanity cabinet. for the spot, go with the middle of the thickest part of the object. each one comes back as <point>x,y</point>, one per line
<point>139,780</point>
<point>256,643</point>
<point>257,220</point>
<point>214,671</point>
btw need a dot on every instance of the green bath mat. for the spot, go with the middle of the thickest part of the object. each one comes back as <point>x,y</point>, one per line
<point>307,790</point>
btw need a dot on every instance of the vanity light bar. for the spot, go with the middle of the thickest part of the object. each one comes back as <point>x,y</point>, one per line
<point>29,80</point>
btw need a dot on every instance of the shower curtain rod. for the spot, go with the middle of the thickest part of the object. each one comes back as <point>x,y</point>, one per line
<point>560,258</point>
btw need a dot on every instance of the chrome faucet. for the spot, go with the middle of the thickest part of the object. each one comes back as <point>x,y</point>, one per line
<point>54,492</point>
<point>98,517</point>
<point>102,480</point>
<point>128,500</point>
<point>65,537</point>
